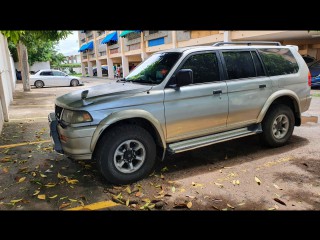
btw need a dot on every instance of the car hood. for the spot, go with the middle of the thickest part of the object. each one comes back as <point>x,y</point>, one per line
<point>104,92</point>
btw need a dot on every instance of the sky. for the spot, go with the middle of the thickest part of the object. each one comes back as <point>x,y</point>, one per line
<point>70,45</point>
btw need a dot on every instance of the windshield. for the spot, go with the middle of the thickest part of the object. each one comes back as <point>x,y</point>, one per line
<point>154,69</point>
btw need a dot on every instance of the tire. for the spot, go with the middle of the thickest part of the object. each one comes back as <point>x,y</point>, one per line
<point>277,125</point>
<point>74,83</point>
<point>39,84</point>
<point>123,139</point>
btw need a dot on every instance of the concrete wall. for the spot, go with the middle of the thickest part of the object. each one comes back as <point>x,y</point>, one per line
<point>36,66</point>
<point>6,81</point>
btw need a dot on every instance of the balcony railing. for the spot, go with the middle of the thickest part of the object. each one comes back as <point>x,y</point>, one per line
<point>85,57</point>
<point>103,53</point>
<point>112,51</point>
<point>93,55</point>
<point>134,46</point>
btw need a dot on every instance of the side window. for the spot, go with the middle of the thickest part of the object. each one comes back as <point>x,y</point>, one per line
<point>204,66</point>
<point>279,61</point>
<point>48,73</point>
<point>239,64</point>
<point>58,73</point>
<point>258,64</point>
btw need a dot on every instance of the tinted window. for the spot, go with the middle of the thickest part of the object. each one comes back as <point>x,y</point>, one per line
<point>258,64</point>
<point>48,73</point>
<point>279,61</point>
<point>239,64</point>
<point>204,66</point>
<point>58,73</point>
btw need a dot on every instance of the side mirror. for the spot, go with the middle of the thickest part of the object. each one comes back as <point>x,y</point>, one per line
<point>184,77</point>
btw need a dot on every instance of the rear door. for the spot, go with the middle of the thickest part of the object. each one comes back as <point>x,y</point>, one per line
<point>248,86</point>
<point>60,79</point>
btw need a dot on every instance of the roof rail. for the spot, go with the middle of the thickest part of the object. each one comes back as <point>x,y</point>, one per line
<point>249,43</point>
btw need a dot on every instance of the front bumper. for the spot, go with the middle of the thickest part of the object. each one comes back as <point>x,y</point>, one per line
<point>71,141</point>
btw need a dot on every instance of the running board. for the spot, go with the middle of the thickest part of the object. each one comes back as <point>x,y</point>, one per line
<point>212,139</point>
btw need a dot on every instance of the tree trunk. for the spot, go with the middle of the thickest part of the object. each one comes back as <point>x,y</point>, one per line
<point>23,60</point>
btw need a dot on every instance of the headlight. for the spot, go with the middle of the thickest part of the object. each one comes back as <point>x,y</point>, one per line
<point>76,116</point>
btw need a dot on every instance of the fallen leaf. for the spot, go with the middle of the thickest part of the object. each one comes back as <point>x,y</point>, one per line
<point>171,182</point>
<point>22,179</point>
<point>128,190</point>
<point>277,187</point>
<point>230,206</point>
<point>64,205</point>
<point>29,156</point>
<point>191,197</point>
<point>161,176</point>
<point>272,208</point>
<point>6,159</point>
<point>42,196</point>
<point>16,201</point>
<point>147,200</point>
<point>5,170</point>
<point>33,174</point>
<point>63,197</point>
<point>280,201</point>
<point>43,176</point>
<point>182,190</point>
<point>21,170</point>
<point>73,200</point>
<point>241,204</point>
<point>48,171</point>
<point>54,196</point>
<point>257,180</point>
<point>219,185</point>
<point>276,206</point>
<point>224,209</point>
<point>238,182</point>
<point>72,181</point>
<point>173,189</point>
<point>127,202</point>
<point>189,205</point>
<point>36,192</point>
<point>196,184</point>
<point>213,206</point>
<point>138,194</point>
<point>60,176</point>
<point>165,169</point>
<point>49,185</point>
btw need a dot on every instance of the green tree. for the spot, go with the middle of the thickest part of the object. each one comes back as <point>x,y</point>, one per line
<point>57,59</point>
<point>32,39</point>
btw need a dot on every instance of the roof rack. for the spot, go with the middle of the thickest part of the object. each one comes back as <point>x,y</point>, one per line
<point>247,43</point>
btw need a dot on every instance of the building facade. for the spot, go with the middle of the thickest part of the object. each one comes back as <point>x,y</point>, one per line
<point>126,49</point>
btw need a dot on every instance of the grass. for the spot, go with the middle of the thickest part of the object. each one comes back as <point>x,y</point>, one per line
<point>76,74</point>
<point>315,95</point>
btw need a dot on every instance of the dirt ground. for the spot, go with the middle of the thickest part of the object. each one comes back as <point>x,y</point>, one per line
<point>236,175</point>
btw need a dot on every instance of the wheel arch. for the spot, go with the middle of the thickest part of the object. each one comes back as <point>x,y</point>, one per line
<point>286,97</point>
<point>139,117</point>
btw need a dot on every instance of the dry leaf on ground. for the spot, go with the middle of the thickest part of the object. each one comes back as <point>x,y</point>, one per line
<point>257,180</point>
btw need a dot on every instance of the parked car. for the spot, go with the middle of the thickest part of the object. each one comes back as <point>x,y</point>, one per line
<point>315,69</point>
<point>309,60</point>
<point>104,70</point>
<point>182,99</point>
<point>315,82</point>
<point>51,78</point>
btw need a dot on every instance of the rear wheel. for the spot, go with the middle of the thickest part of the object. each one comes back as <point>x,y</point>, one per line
<point>74,83</point>
<point>39,84</point>
<point>126,154</point>
<point>278,125</point>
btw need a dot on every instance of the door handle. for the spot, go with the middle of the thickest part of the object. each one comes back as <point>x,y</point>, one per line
<point>262,86</point>
<point>219,91</point>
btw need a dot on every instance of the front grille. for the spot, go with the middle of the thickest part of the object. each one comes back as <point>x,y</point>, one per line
<point>58,111</point>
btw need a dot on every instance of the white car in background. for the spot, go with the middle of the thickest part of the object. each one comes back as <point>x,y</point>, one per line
<point>53,78</point>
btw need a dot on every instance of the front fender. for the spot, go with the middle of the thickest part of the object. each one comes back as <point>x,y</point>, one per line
<point>126,114</point>
<point>274,96</point>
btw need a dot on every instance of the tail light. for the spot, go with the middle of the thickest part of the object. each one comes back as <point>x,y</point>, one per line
<point>309,79</point>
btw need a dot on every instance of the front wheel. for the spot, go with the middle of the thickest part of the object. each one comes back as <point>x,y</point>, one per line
<point>126,154</point>
<point>278,125</point>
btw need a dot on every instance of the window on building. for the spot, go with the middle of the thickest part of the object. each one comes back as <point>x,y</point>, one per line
<point>46,73</point>
<point>153,31</point>
<point>239,64</point>
<point>204,67</point>
<point>279,61</point>
<point>133,35</point>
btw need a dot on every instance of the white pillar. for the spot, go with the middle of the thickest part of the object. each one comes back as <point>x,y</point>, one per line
<point>110,65</point>
<point>83,69</point>
<point>90,72</point>
<point>227,36</point>
<point>124,59</point>
<point>174,39</point>
<point>99,70</point>
<point>144,55</point>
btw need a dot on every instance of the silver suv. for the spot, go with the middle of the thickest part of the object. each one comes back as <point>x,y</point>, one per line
<point>182,99</point>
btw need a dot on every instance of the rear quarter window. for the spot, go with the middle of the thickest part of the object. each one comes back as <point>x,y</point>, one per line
<point>279,61</point>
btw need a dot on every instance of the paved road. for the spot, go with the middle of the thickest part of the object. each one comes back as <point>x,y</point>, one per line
<point>225,176</point>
